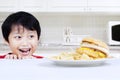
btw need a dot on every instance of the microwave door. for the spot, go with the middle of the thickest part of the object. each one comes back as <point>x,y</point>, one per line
<point>116,32</point>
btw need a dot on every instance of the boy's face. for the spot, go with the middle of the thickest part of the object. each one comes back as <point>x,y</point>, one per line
<point>23,42</point>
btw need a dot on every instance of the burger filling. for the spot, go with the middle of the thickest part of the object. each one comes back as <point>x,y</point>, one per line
<point>91,52</point>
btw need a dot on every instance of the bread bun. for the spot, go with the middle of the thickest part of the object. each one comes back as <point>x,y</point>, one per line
<point>104,50</point>
<point>94,48</point>
<point>95,42</point>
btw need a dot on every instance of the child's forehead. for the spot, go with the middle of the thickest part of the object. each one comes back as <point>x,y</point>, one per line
<point>19,28</point>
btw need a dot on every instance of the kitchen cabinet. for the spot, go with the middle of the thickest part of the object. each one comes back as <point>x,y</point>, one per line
<point>60,5</point>
<point>33,5</point>
<point>103,5</point>
<point>23,5</point>
<point>67,5</point>
<point>8,5</point>
<point>84,5</point>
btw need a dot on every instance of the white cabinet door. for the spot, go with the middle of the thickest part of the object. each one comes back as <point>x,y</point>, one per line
<point>8,5</point>
<point>104,5</point>
<point>67,5</point>
<point>33,5</point>
<point>60,5</point>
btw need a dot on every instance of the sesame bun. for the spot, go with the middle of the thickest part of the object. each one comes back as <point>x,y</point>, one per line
<point>95,44</point>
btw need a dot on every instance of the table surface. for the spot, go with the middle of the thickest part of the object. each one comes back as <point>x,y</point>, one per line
<point>37,69</point>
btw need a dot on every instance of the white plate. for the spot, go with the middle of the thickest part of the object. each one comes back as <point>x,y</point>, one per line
<point>79,62</point>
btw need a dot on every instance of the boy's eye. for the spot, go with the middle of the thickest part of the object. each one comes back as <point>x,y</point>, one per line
<point>31,36</point>
<point>18,37</point>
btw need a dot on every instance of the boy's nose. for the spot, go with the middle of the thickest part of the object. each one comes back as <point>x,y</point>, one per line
<point>25,42</point>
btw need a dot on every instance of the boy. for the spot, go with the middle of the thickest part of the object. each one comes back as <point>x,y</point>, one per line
<point>21,31</point>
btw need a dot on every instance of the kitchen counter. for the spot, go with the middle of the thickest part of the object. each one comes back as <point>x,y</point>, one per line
<point>43,69</point>
<point>49,48</point>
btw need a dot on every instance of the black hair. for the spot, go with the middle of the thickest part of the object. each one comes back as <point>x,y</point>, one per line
<point>25,19</point>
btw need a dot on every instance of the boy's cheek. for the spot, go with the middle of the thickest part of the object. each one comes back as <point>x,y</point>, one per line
<point>35,42</point>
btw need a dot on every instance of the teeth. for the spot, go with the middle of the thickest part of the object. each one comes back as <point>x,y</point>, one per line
<point>24,52</point>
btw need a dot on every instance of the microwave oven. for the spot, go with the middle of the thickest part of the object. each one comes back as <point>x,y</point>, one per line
<point>113,32</point>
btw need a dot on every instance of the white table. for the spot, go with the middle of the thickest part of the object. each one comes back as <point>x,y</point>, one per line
<point>42,69</point>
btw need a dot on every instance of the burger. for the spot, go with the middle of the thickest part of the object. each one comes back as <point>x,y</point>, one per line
<point>94,48</point>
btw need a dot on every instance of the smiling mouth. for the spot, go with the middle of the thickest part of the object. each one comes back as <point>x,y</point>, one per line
<point>25,52</point>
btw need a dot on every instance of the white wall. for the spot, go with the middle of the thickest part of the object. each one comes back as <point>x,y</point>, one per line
<point>1,37</point>
<point>52,25</point>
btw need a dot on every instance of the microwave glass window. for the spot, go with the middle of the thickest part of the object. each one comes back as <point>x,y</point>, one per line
<point>116,32</point>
